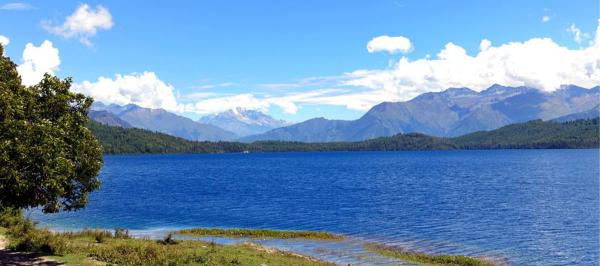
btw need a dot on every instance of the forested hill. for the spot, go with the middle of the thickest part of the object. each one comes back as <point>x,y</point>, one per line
<point>535,134</point>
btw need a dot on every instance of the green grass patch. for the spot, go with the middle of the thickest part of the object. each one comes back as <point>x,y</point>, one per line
<point>258,233</point>
<point>101,247</point>
<point>151,252</point>
<point>76,259</point>
<point>424,259</point>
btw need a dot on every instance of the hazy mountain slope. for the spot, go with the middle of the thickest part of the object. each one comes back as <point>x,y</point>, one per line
<point>243,122</point>
<point>109,119</point>
<point>312,130</point>
<point>589,114</point>
<point>163,121</point>
<point>449,113</point>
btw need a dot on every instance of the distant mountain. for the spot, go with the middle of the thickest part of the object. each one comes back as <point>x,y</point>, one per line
<point>163,121</point>
<point>589,114</point>
<point>244,122</point>
<point>108,119</point>
<point>453,112</point>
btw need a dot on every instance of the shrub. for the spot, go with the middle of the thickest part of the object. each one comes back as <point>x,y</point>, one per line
<point>10,217</point>
<point>22,228</point>
<point>141,253</point>
<point>39,241</point>
<point>168,240</point>
<point>121,233</point>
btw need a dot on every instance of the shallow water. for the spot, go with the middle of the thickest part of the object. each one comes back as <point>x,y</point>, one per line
<point>526,207</point>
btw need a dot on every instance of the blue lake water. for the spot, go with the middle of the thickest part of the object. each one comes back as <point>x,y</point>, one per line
<point>524,207</point>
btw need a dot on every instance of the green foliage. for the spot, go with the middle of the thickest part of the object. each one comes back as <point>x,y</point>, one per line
<point>96,234</point>
<point>25,237</point>
<point>141,253</point>
<point>121,233</point>
<point>536,134</point>
<point>259,233</point>
<point>531,135</point>
<point>147,252</point>
<point>424,259</point>
<point>10,217</point>
<point>39,241</point>
<point>48,157</point>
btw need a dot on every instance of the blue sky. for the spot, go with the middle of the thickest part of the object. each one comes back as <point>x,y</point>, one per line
<point>295,60</point>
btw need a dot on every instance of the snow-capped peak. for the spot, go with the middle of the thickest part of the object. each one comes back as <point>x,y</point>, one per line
<point>244,121</point>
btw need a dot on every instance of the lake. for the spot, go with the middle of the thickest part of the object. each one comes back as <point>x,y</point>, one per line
<point>525,207</point>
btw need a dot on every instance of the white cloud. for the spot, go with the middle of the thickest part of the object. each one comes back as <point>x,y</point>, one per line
<point>197,96</point>
<point>390,44</point>
<point>221,104</point>
<point>17,6</point>
<point>545,18</point>
<point>4,40</point>
<point>537,63</point>
<point>484,45</point>
<point>83,23</point>
<point>37,61</point>
<point>144,89</point>
<point>204,87</point>
<point>288,107</point>
<point>288,102</point>
<point>577,35</point>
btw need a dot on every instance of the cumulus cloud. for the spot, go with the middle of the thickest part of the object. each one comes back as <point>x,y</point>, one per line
<point>4,40</point>
<point>17,6</point>
<point>82,24</point>
<point>144,89</point>
<point>577,35</point>
<point>220,104</point>
<point>545,18</point>
<point>289,103</point>
<point>390,44</point>
<point>484,45</point>
<point>538,63</point>
<point>247,101</point>
<point>37,61</point>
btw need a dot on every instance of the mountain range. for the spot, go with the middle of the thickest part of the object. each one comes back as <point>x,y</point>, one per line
<point>158,120</point>
<point>109,119</point>
<point>244,122</point>
<point>453,112</point>
<point>450,113</point>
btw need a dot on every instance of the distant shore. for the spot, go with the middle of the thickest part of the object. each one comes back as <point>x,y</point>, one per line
<point>537,134</point>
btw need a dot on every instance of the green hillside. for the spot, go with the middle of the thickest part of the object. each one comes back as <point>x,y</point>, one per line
<point>535,134</point>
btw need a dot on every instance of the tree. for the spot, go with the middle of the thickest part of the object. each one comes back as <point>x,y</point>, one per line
<point>48,157</point>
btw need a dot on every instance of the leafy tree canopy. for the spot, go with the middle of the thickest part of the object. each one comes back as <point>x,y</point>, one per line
<point>48,157</point>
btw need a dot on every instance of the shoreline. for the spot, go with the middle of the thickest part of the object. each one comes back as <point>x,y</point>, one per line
<point>329,248</point>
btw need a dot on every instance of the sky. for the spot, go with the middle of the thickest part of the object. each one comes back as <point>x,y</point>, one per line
<point>297,60</point>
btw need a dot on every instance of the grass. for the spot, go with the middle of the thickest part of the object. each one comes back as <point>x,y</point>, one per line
<point>150,252</point>
<point>422,258</point>
<point>258,233</point>
<point>76,260</point>
<point>102,247</point>
<point>83,249</point>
